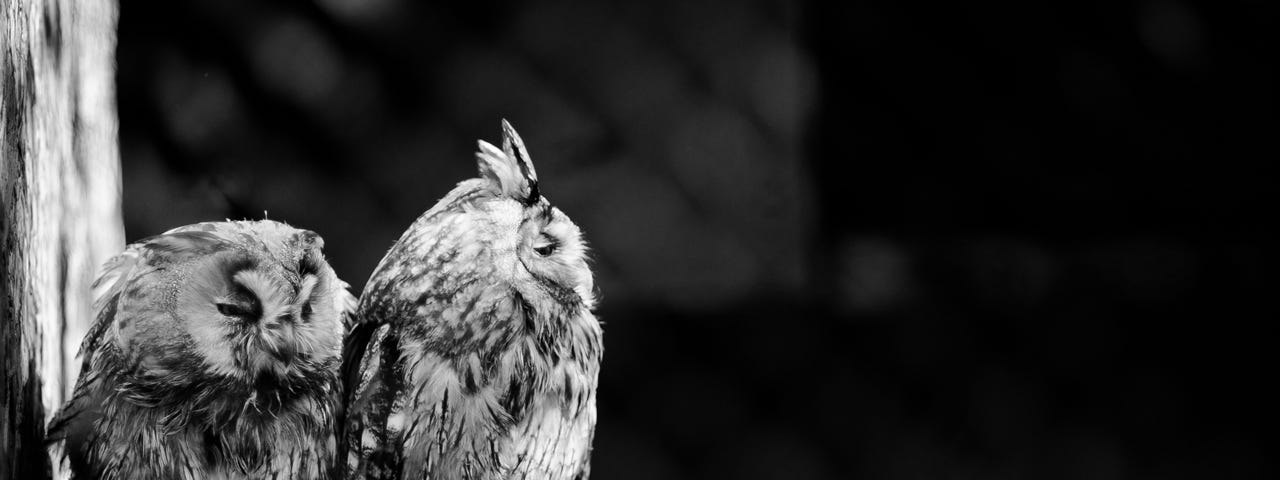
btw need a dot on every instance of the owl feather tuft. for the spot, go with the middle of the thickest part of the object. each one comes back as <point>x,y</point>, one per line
<point>509,169</point>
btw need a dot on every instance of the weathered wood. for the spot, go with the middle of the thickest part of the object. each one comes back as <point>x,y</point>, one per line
<point>59,206</point>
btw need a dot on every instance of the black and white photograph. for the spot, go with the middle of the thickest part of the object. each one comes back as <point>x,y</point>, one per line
<point>611,240</point>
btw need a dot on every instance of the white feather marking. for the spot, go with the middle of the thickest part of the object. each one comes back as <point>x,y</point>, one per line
<point>306,294</point>
<point>513,146</point>
<point>501,171</point>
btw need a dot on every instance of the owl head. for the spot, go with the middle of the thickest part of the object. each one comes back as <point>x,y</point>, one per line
<point>229,306</point>
<point>497,231</point>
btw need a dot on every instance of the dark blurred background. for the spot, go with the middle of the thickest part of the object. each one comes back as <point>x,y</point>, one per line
<point>876,239</point>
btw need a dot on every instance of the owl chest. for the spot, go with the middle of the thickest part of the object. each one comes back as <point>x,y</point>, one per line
<point>279,454</point>
<point>145,443</point>
<point>547,441</point>
<point>552,442</point>
<point>514,419</point>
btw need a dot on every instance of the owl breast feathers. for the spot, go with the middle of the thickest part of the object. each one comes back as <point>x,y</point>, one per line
<point>476,354</point>
<point>214,354</point>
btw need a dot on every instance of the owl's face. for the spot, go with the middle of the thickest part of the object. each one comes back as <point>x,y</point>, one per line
<point>533,247</point>
<point>496,231</point>
<point>236,301</point>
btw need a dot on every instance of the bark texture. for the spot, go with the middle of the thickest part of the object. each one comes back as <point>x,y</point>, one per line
<point>59,206</point>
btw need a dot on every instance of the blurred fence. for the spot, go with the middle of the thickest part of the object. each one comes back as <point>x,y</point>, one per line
<point>864,239</point>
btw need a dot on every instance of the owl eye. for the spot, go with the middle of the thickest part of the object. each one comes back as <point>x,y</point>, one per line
<point>241,304</point>
<point>545,245</point>
<point>306,310</point>
<point>235,309</point>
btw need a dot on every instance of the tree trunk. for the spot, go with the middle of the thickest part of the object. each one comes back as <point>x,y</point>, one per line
<point>59,207</point>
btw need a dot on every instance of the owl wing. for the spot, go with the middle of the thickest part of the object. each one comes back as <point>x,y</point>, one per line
<point>74,422</point>
<point>370,356</point>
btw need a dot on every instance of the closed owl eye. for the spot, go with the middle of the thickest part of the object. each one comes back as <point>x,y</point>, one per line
<point>240,304</point>
<point>545,245</point>
<point>235,309</point>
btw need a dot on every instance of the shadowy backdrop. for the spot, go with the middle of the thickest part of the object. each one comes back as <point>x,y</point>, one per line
<point>861,240</point>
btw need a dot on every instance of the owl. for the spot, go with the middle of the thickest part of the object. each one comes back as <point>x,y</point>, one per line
<point>476,354</point>
<point>215,354</point>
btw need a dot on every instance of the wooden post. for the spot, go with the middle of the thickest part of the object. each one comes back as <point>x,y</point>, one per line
<point>59,207</point>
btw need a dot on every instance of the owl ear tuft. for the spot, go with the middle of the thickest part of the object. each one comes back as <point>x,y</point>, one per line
<point>308,239</point>
<point>509,170</point>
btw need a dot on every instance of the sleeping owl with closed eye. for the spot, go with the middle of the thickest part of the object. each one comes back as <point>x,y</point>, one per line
<point>214,354</point>
<point>475,354</point>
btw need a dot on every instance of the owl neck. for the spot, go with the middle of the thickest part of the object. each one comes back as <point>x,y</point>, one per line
<point>560,330</point>
<point>198,397</point>
<point>484,317</point>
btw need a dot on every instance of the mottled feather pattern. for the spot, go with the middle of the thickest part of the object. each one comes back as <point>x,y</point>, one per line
<point>476,355</point>
<point>172,388</point>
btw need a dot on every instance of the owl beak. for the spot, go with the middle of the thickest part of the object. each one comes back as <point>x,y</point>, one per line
<point>283,352</point>
<point>273,336</point>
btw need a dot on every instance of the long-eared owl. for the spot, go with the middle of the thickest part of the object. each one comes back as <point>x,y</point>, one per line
<point>476,354</point>
<point>215,354</point>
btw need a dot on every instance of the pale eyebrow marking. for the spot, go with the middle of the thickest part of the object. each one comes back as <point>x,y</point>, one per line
<point>306,290</point>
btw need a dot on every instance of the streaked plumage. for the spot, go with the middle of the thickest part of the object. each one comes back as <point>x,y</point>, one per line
<point>476,354</point>
<point>215,354</point>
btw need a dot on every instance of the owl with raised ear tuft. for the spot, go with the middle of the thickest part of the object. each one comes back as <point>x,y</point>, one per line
<point>476,353</point>
<point>214,354</point>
